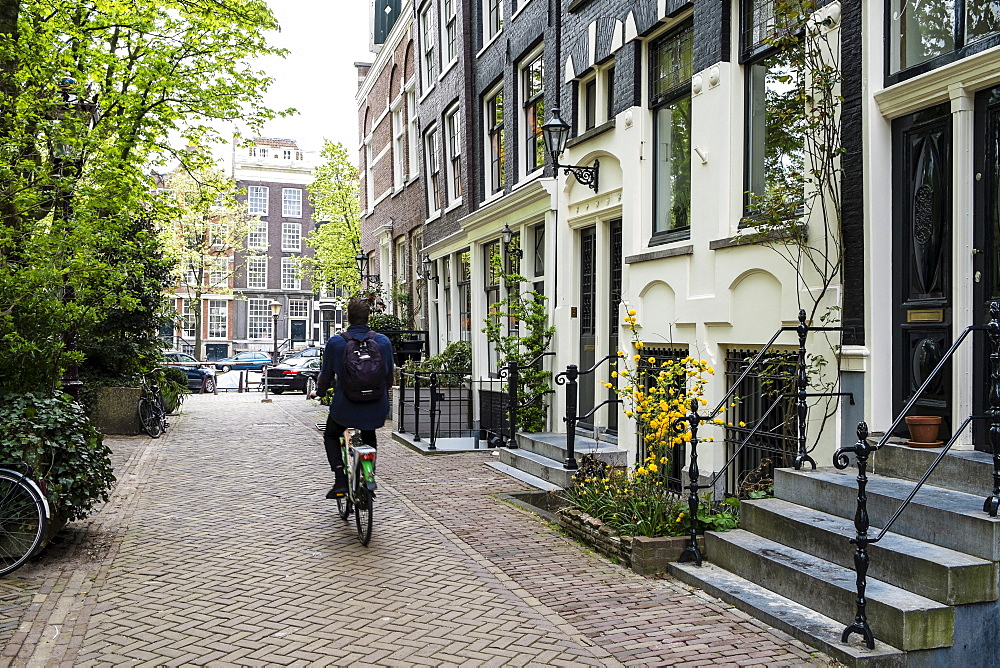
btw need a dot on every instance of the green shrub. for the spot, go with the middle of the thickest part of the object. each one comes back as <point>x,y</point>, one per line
<point>455,361</point>
<point>174,387</point>
<point>54,436</point>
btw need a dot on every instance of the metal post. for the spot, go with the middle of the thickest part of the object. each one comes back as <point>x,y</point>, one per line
<point>512,391</point>
<point>572,372</point>
<point>401,427</point>
<point>802,382</point>
<point>862,449</point>
<point>263,380</point>
<point>434,385</point>
<point>992,502</point>
<point>416,407</point>
<point>693,419</point>
<point>239,387</point>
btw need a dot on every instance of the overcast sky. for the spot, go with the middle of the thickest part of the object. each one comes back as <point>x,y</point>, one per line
<point>325,38</point>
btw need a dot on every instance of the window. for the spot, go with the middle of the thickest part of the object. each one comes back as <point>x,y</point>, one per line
<point>494,129</point>
<point>290,274</point>
<point>291,236</point>
<point>218,319</point>
<point>923,31</point>
<point>609,90</point>
<point>369,176</point>
<point>218,275</point>
<point>291,202</point>
<point>449,16</point>
<point>298,308</point>
<point>253,151</point>
<point>589,103</point>
<point>257,236</point>
<point>452,123</point>
<point>188,324</point>
<point>398,147</point>
<point>257,200</point>
<point>218,234</point>
<point>595,97</point>
<point>464,284</point>
<point>287,154</point>
<point>401,265</point>
<point>491,281</point>
<point>493,18</point>
<point>445,279</point>
<point>670,69</point>
<point>258,319</point>
<point>538,258</point>
<point>533,76</point>
<point>262,151</point>
<point>430,61</point>
<point>413,133</point>
<point>257,272</point>
<point>431,154</point>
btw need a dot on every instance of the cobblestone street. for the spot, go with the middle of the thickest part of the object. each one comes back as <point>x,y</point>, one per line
<point>218,547</point>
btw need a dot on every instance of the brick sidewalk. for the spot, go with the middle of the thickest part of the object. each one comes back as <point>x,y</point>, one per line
<point>218,547</point>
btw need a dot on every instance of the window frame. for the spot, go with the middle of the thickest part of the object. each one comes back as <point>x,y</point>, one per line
<point>218,315</point>
<point>261,231</point>
<point>492,19</point>
<point>432,160</point>
<point>413,133</point>
<point>290,277</point>
<point>291,207</point>
<point>257,279</point>
<point>453,153</point>
<point>449,30</point>
<point>398,144</point>
<point>291,237</point>
<point>495,141</point>
<point>259,319</point>
<point>532,106</point>
<point>428,57</point>
<point>254,202</point>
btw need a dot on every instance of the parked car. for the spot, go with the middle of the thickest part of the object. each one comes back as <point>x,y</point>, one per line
<point>299,373</point>
<point>248,359</point>
<point>314,351</point>
<point>199,374</point>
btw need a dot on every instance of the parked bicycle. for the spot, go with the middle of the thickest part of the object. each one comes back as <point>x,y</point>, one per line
<point>360,460</point>
<point>152,408</point>
<point>24,514</point>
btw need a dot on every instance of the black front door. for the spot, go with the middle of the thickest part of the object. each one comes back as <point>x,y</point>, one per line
<point>922,213</point>
<point>298,330</point>
<point>588,321</point>
<point>986,254</point>
<point>614,325</point>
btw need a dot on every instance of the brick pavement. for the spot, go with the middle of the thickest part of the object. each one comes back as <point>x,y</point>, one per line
<point>218,547</point>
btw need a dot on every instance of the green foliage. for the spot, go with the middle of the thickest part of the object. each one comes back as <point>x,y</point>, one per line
<point>334,194</point>
<point>53,435</point>
<point>455,362</point>
<point>173,386</point>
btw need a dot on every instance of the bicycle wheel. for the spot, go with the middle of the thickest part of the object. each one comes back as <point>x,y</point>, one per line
<point>22,521</point>
<point>363,514</point>
<point>149,418</point>
<point>344,507</point>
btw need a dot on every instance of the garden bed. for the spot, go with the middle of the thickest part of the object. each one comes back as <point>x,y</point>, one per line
<point>645,556</point>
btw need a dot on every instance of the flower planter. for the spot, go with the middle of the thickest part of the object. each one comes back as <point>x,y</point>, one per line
<point>645,556</point>
<point>924,430</point>
<point>116,411</point>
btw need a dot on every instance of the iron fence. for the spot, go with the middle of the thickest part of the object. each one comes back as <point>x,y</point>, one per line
<point>435,405</point>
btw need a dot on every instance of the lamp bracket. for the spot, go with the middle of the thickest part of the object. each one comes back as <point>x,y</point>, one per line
<point>587,176</point>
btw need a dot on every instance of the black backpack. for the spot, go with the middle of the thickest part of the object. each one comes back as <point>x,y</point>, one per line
<point>362,371</point>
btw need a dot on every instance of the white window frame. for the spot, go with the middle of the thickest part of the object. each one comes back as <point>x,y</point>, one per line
<point>413,132</point>
<point>259,319</point>
<point>449,30</point>
<point>291,202</point>
<point>188,321</point>
<point>428,45</point>
<point>218,319</point>
<point>369,176</point>
<point>262,151</point>
<point>298,308</point>
<point>539,56</point>
<point>398,145</point>
<point>286,154</point>
<point>290,279</point>
<point>257,272</point>
<point>400,257</point>
<point>291,237</point>
<point>432,158</point>
<point>488,126</point>
<point>453,154</point>
<point>218,273</point>
<point>492,28</point>
<point>257,200</point>
<point>257,236</point>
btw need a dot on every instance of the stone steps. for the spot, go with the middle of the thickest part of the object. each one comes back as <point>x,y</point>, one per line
<point>543,455</point>
<point>967,471</point>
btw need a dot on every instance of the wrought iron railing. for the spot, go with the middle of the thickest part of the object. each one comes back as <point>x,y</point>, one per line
<point>569,379</point>
<point>863,449</point>
<point>436,405</point>
<point>510,374</point>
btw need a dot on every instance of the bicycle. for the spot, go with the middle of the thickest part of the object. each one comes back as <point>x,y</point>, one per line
<point>152,408</point>
<point>360,484</point>
<point>24,515</point>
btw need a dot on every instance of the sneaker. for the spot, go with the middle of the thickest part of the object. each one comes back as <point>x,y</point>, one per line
<point>339,485</point>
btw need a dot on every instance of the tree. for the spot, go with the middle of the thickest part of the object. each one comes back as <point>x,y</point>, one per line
<point>334,194</point>
<point>92,94</point>
<point>202,239</point>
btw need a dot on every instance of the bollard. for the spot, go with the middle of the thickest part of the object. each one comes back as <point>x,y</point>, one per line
<point>239,389</point>
<point>434,382</point>
<point>416,407</point>
<point>512,386</point>
<point>401,427</point>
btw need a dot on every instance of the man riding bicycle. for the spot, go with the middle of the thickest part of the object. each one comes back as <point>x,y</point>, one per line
<point>361,393</point>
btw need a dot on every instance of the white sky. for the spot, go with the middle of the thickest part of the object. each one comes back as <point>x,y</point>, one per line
<point>325,38</point>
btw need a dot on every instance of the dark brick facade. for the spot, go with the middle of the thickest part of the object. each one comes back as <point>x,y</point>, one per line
<point>852,180</point>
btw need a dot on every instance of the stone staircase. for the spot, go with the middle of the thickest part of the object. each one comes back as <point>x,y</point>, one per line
<point>932,583</point>
<point>542,455</point>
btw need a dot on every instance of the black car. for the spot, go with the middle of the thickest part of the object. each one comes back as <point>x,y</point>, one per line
<point>199,374</point>
<point>297,373</point>
<point>314,351</point>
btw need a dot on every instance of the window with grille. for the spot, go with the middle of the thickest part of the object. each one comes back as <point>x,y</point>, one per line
<point>257,272</point>
<point>454,165</point>
<point>218,275</point>
<point>449,16</point>
<point>413,133</point>
<point>291,236</point>
<point>402,268</point>
<point>398,147</point>
<point>491,281</point>
<point>493,18</point>
<point>464,284</point>
<point>291,202</point>
<point>533,87</point>
<point>495,134</point>
<point>259,320</point>
<point>290,275</point>
<point>218,235</point>
<point>188,318</point>
<point>257,199</point>
<point>257,236</point>
<point>298,308</point>
<point>430,61</point>
<point>431,149</point>
<point>287,154</point>
<point>218,319</point>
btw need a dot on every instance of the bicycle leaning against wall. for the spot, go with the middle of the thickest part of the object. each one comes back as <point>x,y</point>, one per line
<point>152,407</point>
<point>359,460</point>
<point>24,515</point>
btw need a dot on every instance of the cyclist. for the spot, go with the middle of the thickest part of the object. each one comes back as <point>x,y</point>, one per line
<point>365,416</point>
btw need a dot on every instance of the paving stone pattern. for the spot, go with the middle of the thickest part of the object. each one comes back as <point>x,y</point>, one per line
<point>218,547</point>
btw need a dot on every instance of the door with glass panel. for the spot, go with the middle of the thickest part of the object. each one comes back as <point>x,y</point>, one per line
<point>588,322</point>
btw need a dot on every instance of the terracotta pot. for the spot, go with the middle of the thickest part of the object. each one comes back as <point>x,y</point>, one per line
<point>924,428</point>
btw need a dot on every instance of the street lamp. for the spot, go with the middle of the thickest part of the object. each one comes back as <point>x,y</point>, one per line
<point>428,263</point>
<point>362,260</point>
<point>507,235</point>
<point>275,311</point>
<point>555,134</point>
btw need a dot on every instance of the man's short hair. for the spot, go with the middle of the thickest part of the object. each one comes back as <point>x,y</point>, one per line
<point>359,309</point>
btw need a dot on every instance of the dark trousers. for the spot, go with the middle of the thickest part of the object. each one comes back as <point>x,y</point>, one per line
<point>331,439</point>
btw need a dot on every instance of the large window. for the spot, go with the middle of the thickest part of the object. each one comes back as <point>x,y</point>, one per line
<point>495,134</point>
<point>257,272</point>
<point>257,236</point>
<point>533,87</point>
<point>290,279</point>
<point>398,147</point>
<point>464,283</point>
<point>401,265</point>
<point>257,200</point>
<point>291,202</point>
<point>427,45</point>
<point>449,16</point>
<point>492,18</point>
<point>670,69</point>
<point>432,155</point>
<point>413,133</point>
<point>298,308</point>
<point>452,124</point>
<point>218,274</point>
<point>922,31</point>
<point>291,236</point>
<point>258,319</point>
<point>188,318</point>
<point>218,319</point>
<point>491,281</point>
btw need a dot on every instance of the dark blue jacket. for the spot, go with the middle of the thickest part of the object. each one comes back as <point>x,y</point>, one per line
<point>360,415</point>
